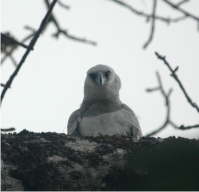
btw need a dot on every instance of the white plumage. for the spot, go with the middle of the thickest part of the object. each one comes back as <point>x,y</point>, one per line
<point>101,111</point>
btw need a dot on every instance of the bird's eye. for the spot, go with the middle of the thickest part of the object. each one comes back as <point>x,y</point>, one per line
<point>92,76</point>
<point>107,74</point>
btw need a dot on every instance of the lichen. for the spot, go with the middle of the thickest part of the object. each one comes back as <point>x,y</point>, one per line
<point>52,161</point>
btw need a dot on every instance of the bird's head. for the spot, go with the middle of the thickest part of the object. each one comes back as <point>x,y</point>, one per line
<point>101,83</point>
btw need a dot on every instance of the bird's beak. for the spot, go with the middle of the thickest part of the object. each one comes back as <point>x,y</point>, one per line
<point>100,80</point>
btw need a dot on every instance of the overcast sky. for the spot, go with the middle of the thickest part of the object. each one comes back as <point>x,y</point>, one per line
<point>49,86</point>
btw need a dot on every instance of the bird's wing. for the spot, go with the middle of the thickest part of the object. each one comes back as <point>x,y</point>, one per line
<point>136,130</point>
<point>73,123</point>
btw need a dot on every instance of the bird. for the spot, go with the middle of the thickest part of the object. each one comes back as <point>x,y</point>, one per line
<point>102,111</point>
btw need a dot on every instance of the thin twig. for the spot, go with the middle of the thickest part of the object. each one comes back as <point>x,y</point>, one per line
<point>168,120</point>
<point>63,5</point>
<point>30,47</point>
<point>167,103</point>
<point>174,75</point>
<point>3,85</point>
<point>11,57</point>
<point>146,15</point>
<point>13,40</point>
<point>182,127</point>
<point>152,25</point>
<point>182,2</point>
<point>13,60</point>
<point>63,31</point>
<point>182,10</point>
<point>152,89</point>
<point>14,48</point>
<point>7,129</point>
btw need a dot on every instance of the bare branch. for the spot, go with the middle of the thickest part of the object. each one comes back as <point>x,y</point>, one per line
<point>182,127</point>
<point>59,31</point>
<point>63,5</point>
<point>152,25</point>
<point>30,47</point>
<point>167,103</point>
<point>7,54</point>
<point>30,28</point>
<point>174,75</point>
<point>12,43</point>
<point>168,120</point>
<point>186,13</point>
<point>3,85</point>
<point>7,129</point>
<point>13,60</point>
<point>14,48</point>
<point>13,40</point>
<point>146,15</point>
<point>152,89</point>
<point>182,2</point>
<point>64,32</point>
<point>152,16</point>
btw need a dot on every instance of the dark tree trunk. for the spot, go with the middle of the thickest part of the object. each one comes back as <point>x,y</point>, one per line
<point>52,161</point>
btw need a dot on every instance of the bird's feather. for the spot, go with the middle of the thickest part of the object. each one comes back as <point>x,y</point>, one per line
<point>101,111</point>
<point>137,132</point>
<point>73,123</point>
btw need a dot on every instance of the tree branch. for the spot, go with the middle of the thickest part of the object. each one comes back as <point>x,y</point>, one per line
<point>30,47</point>
<point>152,16</point>
<point>174,75</point>
<point>182,127</point>
<point>168,120</point>
<point>59,31</point>
<point>63,5</point>
<point>7,54</point>
<point>146,15</point>
<point>152,25</point>
<point>7,129</point>
<point>14,48</point>
<point>167,103</point>
<point>13,41</point>
<point>64,32</point>
<point>186,13</point>
<point>3,85</point>
<point>182,2</point>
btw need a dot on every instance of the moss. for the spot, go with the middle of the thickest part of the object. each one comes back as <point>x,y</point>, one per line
<point>75,175</point>
<point>93,159</point>
<point>150,164</point>
<point>170,165</point>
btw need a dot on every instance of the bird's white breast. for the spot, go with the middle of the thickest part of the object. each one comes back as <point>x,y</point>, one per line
<point>118,122</point>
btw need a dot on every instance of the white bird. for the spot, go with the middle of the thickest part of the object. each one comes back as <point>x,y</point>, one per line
<point>101,111</point>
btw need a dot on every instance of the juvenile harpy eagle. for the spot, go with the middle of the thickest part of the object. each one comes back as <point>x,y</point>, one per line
<point>101,111</point>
